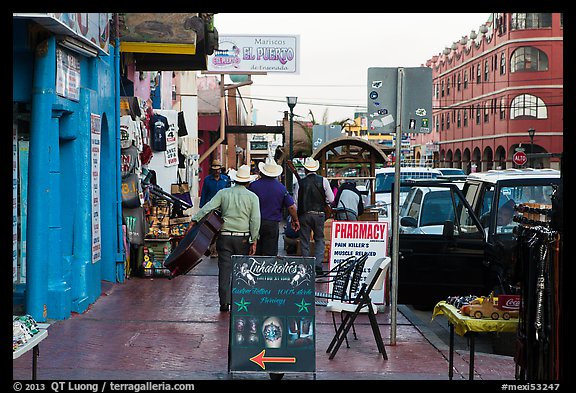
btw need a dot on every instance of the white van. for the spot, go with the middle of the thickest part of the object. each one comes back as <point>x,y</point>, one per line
<point>383,187</point>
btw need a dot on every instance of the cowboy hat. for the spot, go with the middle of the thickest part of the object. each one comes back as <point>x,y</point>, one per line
<point>216,164</point>
<point>242,175</point>
<point>311,164</point>
<point>270,168</point>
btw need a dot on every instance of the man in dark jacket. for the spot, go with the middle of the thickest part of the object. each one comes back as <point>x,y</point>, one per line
<point>312,193</point>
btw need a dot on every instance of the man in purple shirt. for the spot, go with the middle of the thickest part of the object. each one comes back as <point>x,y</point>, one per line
<point>273,196</point>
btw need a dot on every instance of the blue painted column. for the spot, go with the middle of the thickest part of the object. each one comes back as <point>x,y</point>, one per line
<point>59,291</point>
<point>121,256</point>
<point>84,275</point>
<point>43,90</point>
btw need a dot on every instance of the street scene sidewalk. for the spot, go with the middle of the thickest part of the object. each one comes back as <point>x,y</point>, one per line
<point>161,329</point>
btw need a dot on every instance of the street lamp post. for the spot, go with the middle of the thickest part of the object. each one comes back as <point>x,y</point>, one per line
<point>291,104</point>
<point>531,132</point>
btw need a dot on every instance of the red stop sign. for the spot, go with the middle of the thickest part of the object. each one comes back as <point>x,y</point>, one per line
<point>519,158</point>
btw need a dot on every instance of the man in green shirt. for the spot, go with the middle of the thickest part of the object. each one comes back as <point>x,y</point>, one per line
<point>240,210</point>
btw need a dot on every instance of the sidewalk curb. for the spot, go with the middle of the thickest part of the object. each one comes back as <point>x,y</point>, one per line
<point>428,334</point>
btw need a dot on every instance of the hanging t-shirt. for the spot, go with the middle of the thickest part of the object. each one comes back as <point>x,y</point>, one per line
<point>159,127</point>
<point>129,161</point>
<point>129,131</point>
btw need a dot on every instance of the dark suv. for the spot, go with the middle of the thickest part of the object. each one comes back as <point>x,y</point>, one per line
<point>474,251</point>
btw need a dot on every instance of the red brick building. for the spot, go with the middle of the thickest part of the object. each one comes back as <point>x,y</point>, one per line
<point>491,87</point>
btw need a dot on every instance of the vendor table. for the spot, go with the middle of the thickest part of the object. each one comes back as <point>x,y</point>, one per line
<point>32,344</point>
<point>469,327</point>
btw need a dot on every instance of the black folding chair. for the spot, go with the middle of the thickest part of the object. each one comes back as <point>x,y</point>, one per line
<point>341,299</point>
<point>351,311</point>
<point>338,276</point>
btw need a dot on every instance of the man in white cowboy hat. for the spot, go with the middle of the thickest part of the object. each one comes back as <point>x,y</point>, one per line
<point>312,193</point>
<point>214,182</point>
<point>240,210</point>
<point>273,196</point>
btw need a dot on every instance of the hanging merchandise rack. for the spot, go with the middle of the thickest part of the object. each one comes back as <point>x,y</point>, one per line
<point>166,225</point>
<point>540,265</point>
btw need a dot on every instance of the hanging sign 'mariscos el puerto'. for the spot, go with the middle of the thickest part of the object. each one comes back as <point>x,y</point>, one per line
<point>255,54</point>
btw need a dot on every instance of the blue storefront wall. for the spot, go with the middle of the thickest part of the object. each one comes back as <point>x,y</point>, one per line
<point>61,275</point>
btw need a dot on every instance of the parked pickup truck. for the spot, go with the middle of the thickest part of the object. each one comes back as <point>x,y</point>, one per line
<point>505,307</point>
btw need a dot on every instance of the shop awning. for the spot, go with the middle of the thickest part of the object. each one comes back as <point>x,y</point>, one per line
<point>254,129</point>
<point>167,41</point>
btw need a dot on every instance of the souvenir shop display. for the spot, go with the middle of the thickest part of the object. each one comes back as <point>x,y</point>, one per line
<point>24,327</point>
<point>154,255</point>
<point>158,218</point>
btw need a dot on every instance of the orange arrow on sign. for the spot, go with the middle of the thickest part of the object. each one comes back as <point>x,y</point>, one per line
<point>261,360</point>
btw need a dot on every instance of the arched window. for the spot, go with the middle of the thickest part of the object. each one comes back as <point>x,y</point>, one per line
<point>459,81</point>
<point>528,58</point>
<point>465,79</point>
<point>528,106</point>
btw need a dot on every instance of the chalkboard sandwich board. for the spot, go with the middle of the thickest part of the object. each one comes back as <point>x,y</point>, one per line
<point>272,315</point>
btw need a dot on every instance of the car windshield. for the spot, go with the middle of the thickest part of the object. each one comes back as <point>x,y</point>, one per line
<point>437,208</point>
<point>384,181</point>
<point>511,196</point>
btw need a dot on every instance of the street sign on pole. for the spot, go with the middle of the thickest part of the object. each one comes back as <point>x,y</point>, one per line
<point>382,85</point>
<point>519,158</point>
<point>399,101</point>
<point>416,100</point>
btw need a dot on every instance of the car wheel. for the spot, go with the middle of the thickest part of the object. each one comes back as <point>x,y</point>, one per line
<point>506,316</point>
<point>495,315</point>
<point>478,314</point>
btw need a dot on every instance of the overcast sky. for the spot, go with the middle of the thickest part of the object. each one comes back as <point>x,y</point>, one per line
<point>336,50</point>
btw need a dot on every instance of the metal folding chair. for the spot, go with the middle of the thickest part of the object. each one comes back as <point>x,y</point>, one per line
<point>338,276</point>
<point>336,304</point>
<point>351,311</point>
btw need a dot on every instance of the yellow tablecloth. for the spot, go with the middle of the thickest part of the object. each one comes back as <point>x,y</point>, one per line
<point>464,324</point>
